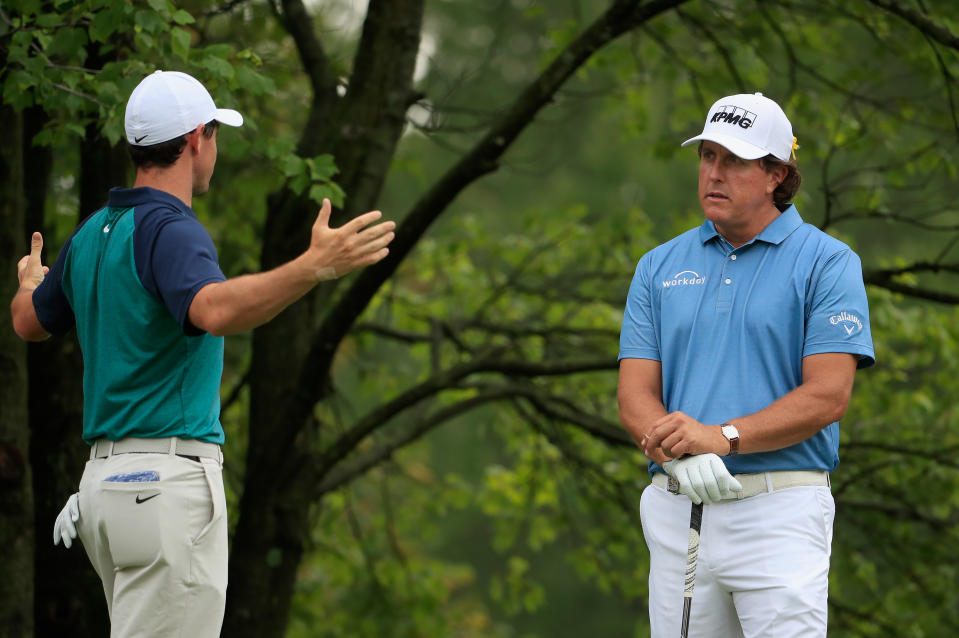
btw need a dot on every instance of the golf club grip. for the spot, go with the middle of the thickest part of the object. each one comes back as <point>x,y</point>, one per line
<point>692,555</point>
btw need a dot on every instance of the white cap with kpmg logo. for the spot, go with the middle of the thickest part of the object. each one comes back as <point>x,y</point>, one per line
<point>168,104</point>
<point>750,126</point>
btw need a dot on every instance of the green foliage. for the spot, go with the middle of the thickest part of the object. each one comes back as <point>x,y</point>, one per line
<point>315,173</point>
<point>899,480</point>
<point>79,60</point>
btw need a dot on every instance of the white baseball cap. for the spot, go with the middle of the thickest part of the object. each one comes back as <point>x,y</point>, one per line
<point>750,126</point>
<point>168,104</point>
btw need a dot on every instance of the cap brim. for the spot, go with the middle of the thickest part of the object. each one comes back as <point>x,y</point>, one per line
<point>228,117</point>
<point>736,146</point>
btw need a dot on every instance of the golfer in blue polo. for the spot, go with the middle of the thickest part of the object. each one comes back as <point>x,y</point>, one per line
<point>739,345</point>
<point>140,281</point>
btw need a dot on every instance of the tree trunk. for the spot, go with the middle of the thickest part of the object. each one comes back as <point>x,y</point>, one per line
<point>16,493</point>
<point>278,496</point>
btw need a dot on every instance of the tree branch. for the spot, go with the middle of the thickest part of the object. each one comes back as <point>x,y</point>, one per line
<point>885,279</point>
<point>932,29</point>
<point>299,24</point>
<point>344,473</point>
<point>348,441</point>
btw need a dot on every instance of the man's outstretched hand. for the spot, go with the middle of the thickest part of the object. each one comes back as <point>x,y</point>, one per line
<point>355,244</point>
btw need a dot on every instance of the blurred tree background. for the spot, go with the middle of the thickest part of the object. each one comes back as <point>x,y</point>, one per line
<point>431,447</point>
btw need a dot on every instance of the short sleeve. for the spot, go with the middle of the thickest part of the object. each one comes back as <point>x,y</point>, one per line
<point>175,258</point>
<point>837,319</point>
<point>638,337</point>
<point>49,301</point>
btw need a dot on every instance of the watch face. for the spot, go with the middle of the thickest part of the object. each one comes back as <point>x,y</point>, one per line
<point>730,432</point>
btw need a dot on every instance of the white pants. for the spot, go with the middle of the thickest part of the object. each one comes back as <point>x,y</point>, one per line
<point>154,527</point>
<point>763,568</point>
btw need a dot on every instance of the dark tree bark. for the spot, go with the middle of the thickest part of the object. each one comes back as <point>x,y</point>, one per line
<point>16,493</point>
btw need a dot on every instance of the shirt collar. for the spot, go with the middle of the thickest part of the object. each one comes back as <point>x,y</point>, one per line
<point>130,197</point>
<point>774,233</point>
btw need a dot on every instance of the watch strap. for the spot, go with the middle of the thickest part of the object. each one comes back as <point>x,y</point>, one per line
<point>733,440</point>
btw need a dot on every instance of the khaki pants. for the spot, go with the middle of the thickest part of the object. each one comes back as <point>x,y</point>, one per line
<point>154,527</point>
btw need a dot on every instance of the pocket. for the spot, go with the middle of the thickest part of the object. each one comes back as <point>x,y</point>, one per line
<point>132,515</point>
<point>214,487</point>
<point>827,510</point>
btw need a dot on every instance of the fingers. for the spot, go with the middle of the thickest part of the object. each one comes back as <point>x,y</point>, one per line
<point>29,268</point>
<point>323,217</point>
<point>362,221</point>
<point>36,246</point>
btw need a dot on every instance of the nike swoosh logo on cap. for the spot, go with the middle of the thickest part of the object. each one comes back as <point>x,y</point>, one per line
<point>136,140</point>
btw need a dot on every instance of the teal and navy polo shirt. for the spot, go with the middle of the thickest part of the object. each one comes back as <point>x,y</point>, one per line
<point>126,278</point>
<point>731,326</point>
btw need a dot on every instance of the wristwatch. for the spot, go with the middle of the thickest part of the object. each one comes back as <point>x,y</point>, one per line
<point>732,435</point>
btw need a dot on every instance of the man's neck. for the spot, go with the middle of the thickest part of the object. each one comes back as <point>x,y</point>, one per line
<point>740,236</point>
<point>175,180</point>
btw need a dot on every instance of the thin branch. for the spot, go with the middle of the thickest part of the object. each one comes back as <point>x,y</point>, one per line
<point>718,45</point>
<point>235,392</point>
<point>916,292</point>
<point>67,89</point>
<point>314,61</point>
<point>375,419</point>
<point>932,29</point>
<point>345,472</point>
<point>226,7</point>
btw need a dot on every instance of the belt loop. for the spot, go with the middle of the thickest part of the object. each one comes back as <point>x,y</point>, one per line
<point>769,481</point>
<point>172,445</point>
<point>110,451</point>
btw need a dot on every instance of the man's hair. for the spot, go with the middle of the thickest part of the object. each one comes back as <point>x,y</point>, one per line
<point>165,153</point>
<point>787,188</point>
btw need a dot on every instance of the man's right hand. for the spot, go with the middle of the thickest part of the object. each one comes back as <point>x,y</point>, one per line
<point>355,244</point>
<point>703,478</point>
<point>65,528</point>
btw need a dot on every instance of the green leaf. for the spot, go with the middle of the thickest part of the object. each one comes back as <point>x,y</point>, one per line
<point>331,191</point>
<point>180,41</point>
<point>49,20</point>
<point>323,167</point>
<point>219,67</point>
<point>108,21</point>
<point>160,6</point>
<point>183,17</point>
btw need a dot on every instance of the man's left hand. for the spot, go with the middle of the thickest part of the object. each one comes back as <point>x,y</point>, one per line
<point>65,528</point>
<point>677,434</point>
<point>30,271</point>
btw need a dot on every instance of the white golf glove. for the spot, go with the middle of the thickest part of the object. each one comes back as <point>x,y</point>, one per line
<point>64,528</point>
<point>703,478</point>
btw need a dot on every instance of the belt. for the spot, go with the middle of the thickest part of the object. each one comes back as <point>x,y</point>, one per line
<point>754,484</point>
<point>103,448</point>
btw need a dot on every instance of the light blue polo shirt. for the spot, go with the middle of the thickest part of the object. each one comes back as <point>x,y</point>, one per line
<point>731,326</point>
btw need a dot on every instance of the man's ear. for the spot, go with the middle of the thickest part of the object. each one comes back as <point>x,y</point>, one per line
<point>194,136</point>
<point>779,176</point>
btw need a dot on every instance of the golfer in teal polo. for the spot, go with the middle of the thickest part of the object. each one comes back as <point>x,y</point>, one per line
<point>739,345</point>
<point>140,282</point>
